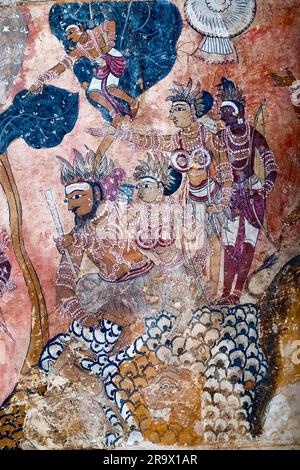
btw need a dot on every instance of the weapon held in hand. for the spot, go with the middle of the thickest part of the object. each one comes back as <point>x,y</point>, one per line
<point>59,229</point>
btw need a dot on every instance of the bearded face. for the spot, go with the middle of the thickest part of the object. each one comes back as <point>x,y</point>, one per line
<point>84,203</point>
<point>80,202</point>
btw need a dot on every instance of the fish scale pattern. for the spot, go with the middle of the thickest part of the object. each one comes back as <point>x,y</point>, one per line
<point>220,345</point>
<point>236,366</point>
<point>99,340</point>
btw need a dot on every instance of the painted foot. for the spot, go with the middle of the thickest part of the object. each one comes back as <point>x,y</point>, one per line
<point>116,119</point>
<point>236,296</point>
<point>223,300</point>
<point>232,299</point>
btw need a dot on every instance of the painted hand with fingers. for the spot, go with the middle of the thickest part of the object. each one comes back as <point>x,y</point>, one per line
<point>35,89</point>
<point>63,242</point>
<point>283,81</point>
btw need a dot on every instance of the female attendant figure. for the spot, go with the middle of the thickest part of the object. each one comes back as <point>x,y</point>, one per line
<point>154,232</point>
<point>194,150</point>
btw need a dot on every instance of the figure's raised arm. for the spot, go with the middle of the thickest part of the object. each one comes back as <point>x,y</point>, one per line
<point>150,140</point>
<point>105,35</point>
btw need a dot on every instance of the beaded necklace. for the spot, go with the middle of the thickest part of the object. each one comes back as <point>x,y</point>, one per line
<point>238,146</point>
<point>198,139</point>
<point>156,222</point>
<point>237,139</point>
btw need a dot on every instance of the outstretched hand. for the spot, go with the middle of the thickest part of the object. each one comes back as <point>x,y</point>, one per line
<point>286,80</point>
<point>104,131</point>
<point>35,89</point>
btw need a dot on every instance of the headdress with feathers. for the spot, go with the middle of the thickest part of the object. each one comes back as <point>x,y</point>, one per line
<point>230,92</point>
<point>157,167</point>
<point>201,100</point>
<point>91,170</point>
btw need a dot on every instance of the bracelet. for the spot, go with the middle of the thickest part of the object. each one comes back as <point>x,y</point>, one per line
<point>123,134</point>
<point>267,187</point>
<point>269,161</point>
<point>46,76</point>
<point>71,307</point>
<point>67,61</point>
<point>65,276</point>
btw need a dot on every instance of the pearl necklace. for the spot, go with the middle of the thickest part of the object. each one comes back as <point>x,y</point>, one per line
<point>236,155</point>
<point>156,221</point>
<point>88,46</point>
<point>191,130</point>
<point>239,140</point>
<point>191,144</point>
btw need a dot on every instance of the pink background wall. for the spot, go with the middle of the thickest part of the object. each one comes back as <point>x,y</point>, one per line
<point>269,44</point>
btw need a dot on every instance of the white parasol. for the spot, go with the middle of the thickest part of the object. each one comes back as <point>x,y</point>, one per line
<point>219,21</point>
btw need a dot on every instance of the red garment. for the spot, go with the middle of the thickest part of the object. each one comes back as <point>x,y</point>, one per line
<point>116,66</point>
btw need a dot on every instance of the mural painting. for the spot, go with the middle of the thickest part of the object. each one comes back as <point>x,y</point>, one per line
<point>149,220</point>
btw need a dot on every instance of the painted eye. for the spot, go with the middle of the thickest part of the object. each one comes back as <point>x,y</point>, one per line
<point>66,200</point>
<point>77,196</point>
<point>165,386</point>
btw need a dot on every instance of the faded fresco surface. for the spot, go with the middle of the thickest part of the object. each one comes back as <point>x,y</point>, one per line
<point>149,224</point>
